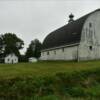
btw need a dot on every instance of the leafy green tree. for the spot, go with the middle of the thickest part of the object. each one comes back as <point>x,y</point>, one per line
<point>37,48</point>
<point>1,44</point>
<point>30,51</point>
<point>34,49</point>
<point>11,44</point>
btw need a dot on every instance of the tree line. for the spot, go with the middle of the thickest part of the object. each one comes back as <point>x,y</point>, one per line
<point>10,43</point>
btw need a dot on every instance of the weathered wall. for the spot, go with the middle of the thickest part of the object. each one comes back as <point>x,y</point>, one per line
<point>66,53</point>
<point>90,40</point>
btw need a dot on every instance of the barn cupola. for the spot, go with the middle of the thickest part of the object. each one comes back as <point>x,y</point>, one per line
<point>71,16</point>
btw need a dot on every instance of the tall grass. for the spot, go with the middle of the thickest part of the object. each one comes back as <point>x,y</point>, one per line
<point>50,80</point>
<point>82,85</point>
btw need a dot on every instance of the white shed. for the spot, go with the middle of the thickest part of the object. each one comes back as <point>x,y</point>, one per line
<point>32,59</point>
<point>11,59</point>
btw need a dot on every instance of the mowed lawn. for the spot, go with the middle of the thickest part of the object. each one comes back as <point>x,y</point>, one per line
<point>44,68</point>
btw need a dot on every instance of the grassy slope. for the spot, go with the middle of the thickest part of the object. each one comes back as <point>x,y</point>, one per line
<point>44,68</point>
<point>78,85</point>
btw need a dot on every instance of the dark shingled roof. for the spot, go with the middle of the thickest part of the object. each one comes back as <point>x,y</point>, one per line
<point>68,34</point>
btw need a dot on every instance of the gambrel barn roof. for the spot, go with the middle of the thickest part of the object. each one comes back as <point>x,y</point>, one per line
<point>66,35</point>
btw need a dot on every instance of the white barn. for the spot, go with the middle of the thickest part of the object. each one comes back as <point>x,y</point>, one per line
<point>78,40</point>
<point>11,59</point>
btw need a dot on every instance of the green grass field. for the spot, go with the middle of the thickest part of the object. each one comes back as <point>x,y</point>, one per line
<point>47,68</point>
<point>50,80</point>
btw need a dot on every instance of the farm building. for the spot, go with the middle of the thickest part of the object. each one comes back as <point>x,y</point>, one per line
<point>9,59</point>
<point>32,59</point>
<point>77,40</point>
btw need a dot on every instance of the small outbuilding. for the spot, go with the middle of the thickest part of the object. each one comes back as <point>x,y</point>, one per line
<point>32,59</point>
<point>11,59</point>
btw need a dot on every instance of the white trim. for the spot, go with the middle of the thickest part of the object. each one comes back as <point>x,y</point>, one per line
<point>60,47</point>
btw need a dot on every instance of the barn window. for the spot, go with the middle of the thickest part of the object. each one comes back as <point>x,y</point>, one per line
<point>90,24</point>
<point>90,47</point>
<point>54,52</point>
<point>86,32</point>
<point>62,49</point>
<point>48,53</point>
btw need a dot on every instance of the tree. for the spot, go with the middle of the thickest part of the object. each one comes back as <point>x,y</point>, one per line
<point>37,48</point>
<point>30,51</point>
<point>34,49</point>
<point>1,44</point>
<point>11,44</point>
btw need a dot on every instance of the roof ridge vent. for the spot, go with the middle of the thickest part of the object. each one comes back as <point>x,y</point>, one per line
<point>71,16</point>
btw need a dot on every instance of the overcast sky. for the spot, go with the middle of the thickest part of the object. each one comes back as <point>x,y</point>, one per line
<point>30,19</point>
